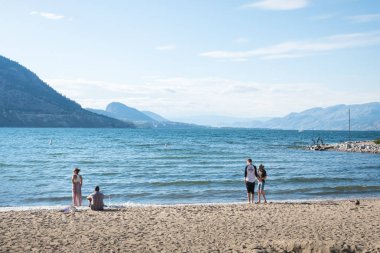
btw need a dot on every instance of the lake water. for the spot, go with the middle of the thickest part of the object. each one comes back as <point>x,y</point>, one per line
<point>166,166</point>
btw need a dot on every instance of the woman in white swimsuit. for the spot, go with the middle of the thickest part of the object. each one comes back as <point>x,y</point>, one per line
<point>77,181</point>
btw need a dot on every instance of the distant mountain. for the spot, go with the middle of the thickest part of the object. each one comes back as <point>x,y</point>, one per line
<point>144,119</point>
<point>155,116</point>
<point>26,101</point>
<point>223,121</point>
<point>363,117</point>
<point>124,112</point>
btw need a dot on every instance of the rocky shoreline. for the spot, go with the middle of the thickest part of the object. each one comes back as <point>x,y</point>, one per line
<point>349,146</point>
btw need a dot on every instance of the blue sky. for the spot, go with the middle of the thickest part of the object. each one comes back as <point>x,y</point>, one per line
<point>183,58</point>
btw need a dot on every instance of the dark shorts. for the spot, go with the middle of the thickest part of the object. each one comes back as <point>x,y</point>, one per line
<point>97,208</point>
<point>260,186</point>
<point>250,187</point>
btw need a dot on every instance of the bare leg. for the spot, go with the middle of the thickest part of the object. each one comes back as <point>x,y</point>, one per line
<point>258,196</point>
<point>249,197</point>
<point>265,200</point>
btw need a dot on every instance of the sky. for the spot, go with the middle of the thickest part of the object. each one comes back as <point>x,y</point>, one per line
<point>190,58</point>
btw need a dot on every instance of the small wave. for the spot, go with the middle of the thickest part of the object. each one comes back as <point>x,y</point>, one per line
<point>42,184</point>
<point>29,208</point>
<point>150,145</point>
<point>301,147</point>
<point>129,204</point>
<point>353,188</point>
<point>64,198</point>
<point>313,180</point>
<point>182,183</point>
<point>5,165</point>
<point>169,158</point>
<point>127,195</point>
<point>375,167</point>
<point>57,154</point>
<point>35,161</point>
<point>346,189</point>
<point>135,204</point>
<point>330,190</point>
<point>105,174</point>
<point>87,162</point>
<point>195,182</point>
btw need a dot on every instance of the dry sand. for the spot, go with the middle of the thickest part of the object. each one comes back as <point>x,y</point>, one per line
<point>339,226</point>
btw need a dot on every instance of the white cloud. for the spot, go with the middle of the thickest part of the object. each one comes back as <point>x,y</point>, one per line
<point>165,47</point>
<point>47,15</point>
<point>278,4</point>
<point>301,48</point>
<point>364,18</point>
<point>178,96</point>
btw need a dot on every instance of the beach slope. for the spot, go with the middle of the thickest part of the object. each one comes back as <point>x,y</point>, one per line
<point>329,226</point>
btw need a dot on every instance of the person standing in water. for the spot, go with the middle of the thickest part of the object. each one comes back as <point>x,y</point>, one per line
<point>261,176</point>
<point>250,174</point>
<point>77,181</point>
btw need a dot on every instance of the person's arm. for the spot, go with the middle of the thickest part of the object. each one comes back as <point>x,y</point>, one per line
<point>245,174</point>
<point>72,179</point>
<point>81,180</point>
<point>89,200</point>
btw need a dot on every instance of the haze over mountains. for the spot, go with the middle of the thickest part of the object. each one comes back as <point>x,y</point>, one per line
<point>139,118</point>
<point>26,101</point>
<point>363,117</point>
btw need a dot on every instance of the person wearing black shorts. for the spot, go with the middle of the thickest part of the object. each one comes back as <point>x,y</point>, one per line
<point>250,174</point>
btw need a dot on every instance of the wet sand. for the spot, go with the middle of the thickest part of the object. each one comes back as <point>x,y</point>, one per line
<point>329,226</point>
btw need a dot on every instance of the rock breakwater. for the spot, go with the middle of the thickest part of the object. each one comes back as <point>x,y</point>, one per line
<point>349,146</point>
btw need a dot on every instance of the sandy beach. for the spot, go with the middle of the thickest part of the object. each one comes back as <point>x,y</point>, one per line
<point>328,226</point>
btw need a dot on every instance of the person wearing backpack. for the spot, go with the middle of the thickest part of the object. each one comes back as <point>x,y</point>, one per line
<point>261,176</point>
<point>250,174</point>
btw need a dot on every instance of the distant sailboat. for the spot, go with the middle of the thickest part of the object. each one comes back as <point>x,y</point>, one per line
<point>50,142</point>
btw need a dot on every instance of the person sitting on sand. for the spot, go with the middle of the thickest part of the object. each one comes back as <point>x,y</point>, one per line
<point>250,174</point>
<point>261,176</point>
<point>96,200</point>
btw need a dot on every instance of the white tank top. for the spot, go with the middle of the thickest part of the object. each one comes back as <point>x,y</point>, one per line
<point>76,179</point>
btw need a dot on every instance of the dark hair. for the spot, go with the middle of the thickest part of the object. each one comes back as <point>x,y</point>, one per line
<point>76,169</point>
<point>96,188</point>
<point>249,160</point>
